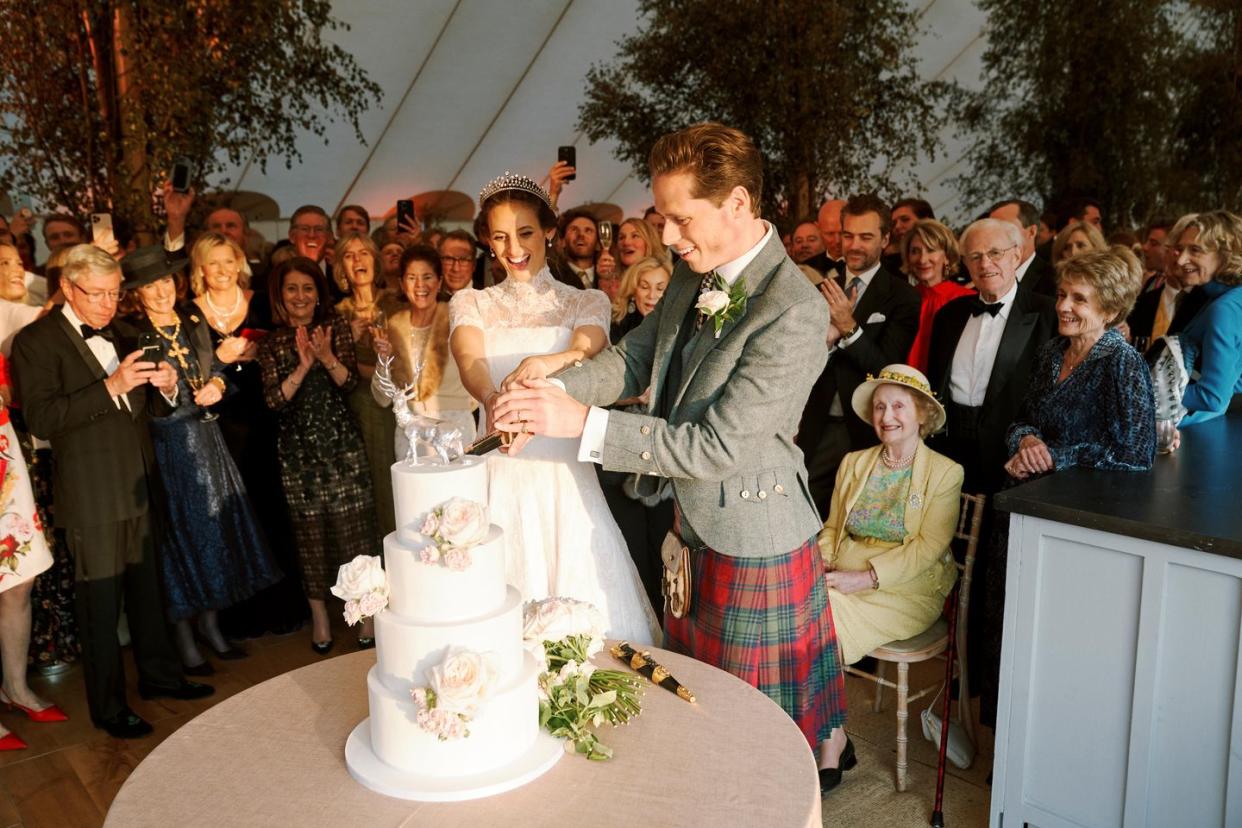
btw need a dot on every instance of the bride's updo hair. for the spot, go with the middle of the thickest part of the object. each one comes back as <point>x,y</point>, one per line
<point>517,189</point>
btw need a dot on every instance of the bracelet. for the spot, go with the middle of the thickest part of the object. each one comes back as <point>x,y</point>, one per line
<point>218,382</point>
<point>332,367</point>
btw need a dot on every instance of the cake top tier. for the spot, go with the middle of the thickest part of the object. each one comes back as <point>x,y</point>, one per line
<point>419,489</point>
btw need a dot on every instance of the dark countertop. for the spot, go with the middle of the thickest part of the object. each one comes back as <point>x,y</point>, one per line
<point>1191,498</point>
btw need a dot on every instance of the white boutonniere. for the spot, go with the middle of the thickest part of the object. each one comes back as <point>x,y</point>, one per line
<point>724,304</point>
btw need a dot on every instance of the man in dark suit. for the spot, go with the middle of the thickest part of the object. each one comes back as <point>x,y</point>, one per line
<point>982,352</point>
<point>86,387</point>
<point>828,220</point>
<point>1034,272</point>
<point>875,316</point>
<point>1164,310</point>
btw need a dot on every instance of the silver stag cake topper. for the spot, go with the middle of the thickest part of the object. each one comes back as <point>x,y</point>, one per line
<point>442,440</point>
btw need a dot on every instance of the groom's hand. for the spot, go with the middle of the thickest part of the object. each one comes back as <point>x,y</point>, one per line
<point>538,407</point>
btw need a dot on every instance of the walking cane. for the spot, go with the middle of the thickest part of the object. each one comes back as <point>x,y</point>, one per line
<point>937,817</point>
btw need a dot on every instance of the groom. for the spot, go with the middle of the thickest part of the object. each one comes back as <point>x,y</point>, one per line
<point>720,426</point>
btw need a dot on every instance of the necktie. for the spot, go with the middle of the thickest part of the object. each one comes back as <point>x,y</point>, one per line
<point>854,290</point>
<point>978,306</point>
<point>105,332</point>
<point>707,283</point>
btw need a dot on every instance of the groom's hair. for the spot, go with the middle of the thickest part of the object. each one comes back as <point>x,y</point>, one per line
<point>716,156</point>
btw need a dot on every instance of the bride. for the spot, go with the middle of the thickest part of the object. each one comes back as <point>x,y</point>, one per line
<point>560,536</point>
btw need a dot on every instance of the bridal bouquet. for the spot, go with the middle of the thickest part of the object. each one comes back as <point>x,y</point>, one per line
<point>363,586</point>
<point>453,527</point>
<point>458,685</point>
<point>574,695</point>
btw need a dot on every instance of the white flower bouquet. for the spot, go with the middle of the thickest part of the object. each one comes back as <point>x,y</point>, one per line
<point>458,685</point>
<point>363,586</point>
<point>453,527</point>
<point>574,695</point>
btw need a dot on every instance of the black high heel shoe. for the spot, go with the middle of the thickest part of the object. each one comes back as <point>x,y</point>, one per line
<point>829,778</point>
<point>322,647</point>
<point>366,642</point>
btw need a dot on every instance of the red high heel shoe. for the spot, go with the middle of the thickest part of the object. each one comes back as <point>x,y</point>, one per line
<point>51,713</point>
<point>10,742</point>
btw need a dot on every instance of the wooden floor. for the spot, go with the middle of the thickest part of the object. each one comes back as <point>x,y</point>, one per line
<point>71,772</point>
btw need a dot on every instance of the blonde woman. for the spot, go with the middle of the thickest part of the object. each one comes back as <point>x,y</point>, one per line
<point>636,239</point>
<point>418,335</point>
<point>929,254</point>
<point>359,271</point>
<point>1076,238</point>
<point>642,286</point>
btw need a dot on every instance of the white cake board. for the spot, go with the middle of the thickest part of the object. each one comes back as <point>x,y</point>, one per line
<point>381,777</point>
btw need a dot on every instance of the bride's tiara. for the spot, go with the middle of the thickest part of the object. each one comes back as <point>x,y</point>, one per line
<point>508,181</point>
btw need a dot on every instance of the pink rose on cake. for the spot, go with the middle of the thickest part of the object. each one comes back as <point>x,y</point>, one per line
<point>463,680</point>
<point>363,586</point>
<point>463,522</point>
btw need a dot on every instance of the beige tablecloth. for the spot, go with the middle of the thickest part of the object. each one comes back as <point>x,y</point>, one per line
<point>275,755</point>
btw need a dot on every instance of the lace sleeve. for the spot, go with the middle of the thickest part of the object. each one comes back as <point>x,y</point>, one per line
<point>592,308</point>
<point>464,310</point>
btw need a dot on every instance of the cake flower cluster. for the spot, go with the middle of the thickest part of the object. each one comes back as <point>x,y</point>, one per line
<point>453,527</point>
<point>574,695</point>
<point>363,586</point>
<point>458,685</point>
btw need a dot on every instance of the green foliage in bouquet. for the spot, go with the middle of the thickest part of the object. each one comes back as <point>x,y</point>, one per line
<point>577,697</point>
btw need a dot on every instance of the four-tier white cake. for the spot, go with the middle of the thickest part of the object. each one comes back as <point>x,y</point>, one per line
<point>434,611</point>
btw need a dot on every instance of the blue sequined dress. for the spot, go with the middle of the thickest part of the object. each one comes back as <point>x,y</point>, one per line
<point>212,552</point>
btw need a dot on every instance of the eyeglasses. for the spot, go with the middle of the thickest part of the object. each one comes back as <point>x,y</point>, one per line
<point>457,260</point>
<point>310,229</point>
<point>99,297</point>
<point>994,256</point>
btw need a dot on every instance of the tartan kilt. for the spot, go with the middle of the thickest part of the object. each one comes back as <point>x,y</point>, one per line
<point>768,622</point>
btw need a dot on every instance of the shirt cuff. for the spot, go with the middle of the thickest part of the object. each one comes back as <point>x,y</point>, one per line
<point>173,245</point>
<point>852,338</point>
<point>170,396</point>
<point>556,382</point>
<point>591,447</point>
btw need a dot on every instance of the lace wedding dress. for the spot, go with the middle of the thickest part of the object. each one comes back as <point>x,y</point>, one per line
<point>560,537</point>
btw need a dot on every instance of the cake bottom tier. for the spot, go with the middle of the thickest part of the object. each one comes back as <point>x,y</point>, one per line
<point>502,729</point>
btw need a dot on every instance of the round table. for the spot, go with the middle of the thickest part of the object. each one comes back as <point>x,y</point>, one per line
<point>275,755</point>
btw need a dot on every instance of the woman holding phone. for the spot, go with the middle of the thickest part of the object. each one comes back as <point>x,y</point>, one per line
<point>237,319</point>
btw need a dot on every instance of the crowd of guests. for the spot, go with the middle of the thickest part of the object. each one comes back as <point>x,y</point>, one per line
<point>222,438</point>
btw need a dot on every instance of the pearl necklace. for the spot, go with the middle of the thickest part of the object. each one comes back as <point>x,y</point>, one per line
<point>222,317</point>
<point>896,466</point>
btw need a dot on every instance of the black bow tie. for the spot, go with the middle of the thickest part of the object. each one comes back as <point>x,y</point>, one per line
<point>106,332</point>
<point>978,306</point>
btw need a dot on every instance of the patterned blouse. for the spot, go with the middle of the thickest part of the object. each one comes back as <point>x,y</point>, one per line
<point>542,302</point>
<point>880,511</point>
<point>1103,416</point>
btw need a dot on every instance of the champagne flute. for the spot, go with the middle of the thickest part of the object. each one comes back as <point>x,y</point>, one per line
<point>416,366</point>
<point>605,235</point>
<point>197,383</point>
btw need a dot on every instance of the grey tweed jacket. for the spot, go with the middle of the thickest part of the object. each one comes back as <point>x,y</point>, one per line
<point>727,443</point>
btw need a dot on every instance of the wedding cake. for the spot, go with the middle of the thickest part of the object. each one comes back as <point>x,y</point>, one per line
<point>454,706</point>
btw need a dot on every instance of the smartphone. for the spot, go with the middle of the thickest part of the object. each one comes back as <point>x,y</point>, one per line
<point>101,228</point>
<point>570,156</point>
<point>253,334</point>
<point>152,347</point>
<point>182,172</point>
<point>405,214</point>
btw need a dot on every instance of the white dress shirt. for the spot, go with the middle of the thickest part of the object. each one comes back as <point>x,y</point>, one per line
<point>976,353</point>
<point>591,447</point>
<point>835,409</point>
<point>587,275</point>
<point>1024,267</point>
<point>104,351</point>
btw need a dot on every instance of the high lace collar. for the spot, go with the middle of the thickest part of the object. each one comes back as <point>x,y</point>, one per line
<point>539,283</point>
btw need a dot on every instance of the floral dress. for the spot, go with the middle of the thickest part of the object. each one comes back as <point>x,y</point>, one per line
<point>24,551</point>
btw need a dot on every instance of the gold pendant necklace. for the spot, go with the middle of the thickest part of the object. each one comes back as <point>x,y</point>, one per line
<point>176,350</point>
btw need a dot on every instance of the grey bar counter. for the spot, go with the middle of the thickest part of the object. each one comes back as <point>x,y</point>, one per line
<point>1120,670</point>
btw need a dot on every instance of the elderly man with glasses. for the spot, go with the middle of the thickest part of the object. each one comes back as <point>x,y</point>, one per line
<point>88,387</point>
<point>457,261</point>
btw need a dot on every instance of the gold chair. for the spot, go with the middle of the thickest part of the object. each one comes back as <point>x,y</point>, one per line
<point>932,643</point>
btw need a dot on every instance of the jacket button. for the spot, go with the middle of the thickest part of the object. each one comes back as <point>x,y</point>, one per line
<point>745,494</point>
<point>645,430</point>
<point>778,488</point>
<point>577,363</point>
<point>646,455</point>
<point>762,494</point>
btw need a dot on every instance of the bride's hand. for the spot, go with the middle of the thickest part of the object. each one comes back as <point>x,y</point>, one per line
<point>531,368</point>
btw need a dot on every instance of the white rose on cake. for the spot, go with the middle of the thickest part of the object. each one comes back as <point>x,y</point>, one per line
<point>463,522</point>
<point>361,576</point>
<point>463,680</point>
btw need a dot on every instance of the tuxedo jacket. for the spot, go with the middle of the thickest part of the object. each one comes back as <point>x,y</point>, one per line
<point>1032,322</point>
<point>888,314</point>
<point>103,464</point>
<point>725,439</point>
<point>1041,277</point>
<point>825,265</point>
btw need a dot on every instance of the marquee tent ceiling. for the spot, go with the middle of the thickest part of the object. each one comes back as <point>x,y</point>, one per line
<point>476,87</point>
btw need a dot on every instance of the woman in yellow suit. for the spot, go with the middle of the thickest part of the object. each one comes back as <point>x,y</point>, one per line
<point>894,509</point>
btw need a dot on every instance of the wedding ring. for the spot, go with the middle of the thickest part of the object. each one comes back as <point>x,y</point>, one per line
<point>524,430</point>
